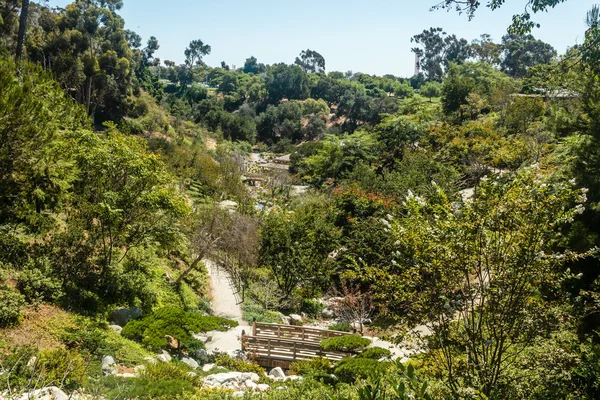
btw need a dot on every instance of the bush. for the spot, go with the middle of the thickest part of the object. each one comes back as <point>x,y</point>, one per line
<point>341,326</point>
<point>15,360</point>
<point>252,310</point>
<point>233,364</point>
<point>10,306</point>
<point>61,368</point>
<point>152,329</point>
<point>375,353</point>
<point>350,369</point>
<point>37,283</point>
<point>312,308</point>
<point>349,343</point>
<point>316,366</point>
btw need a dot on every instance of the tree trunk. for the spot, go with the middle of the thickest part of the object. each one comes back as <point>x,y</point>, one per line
<point>22,29</point>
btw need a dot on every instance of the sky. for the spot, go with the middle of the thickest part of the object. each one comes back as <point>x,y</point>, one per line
<point>369,36</point>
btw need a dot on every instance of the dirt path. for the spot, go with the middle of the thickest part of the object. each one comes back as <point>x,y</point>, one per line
<point>224,304</point>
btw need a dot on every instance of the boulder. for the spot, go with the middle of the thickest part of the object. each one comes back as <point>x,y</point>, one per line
<point>277,372</point>
<point>294,378</point>
<point>286,320</point>
<point>190,362</point>
<point>263,387</point>
<point>116,328</point>
<point>250,376</point>
<point>208,367</point>
<point>172,343</point>
<point>327,313</point>
<point>250,385</point>
<point>47,393</point>
<point>238,355</point>
<point>109,366</point>
<point>32,362</point>
<point>296,319</point>
<point>217,380</point>
<point>164,357</point>
<point>201,355</point>
<point>121,316</point>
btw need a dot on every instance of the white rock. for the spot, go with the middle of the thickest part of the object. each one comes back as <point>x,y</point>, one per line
<point>116,328</point>
<point>164,357</point>
<point>32,362</point>
<point>294,378</point>
<point>277,372</point>
<point>190,362</point>
<point>222,378</point>
<point>296,319</point>
<point>150,360</point>
<point>286,320</point>
<point>208,367</point>
<point>263,387</point>
<point>237,394</point>
<point>109,366</point>
<point>250,385</point>
<point>47,393</point>
<point>327,313</point>
<point>250,376</point>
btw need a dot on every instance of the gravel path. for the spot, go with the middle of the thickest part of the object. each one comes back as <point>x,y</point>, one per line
<point>224,304</point>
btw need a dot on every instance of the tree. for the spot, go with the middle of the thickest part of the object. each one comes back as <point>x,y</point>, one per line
<point>286,82</point>
<point>485,50</point>
<point>352,304</point>
<point>311,62</point>
<point>522,23</point>
<point>295,247</point>
<point>592,18</point>
<point>22,28</point>
<point>478,273</point>
<point>523,52</point>
<point>195,51</point>
<point>437,50</point>
<point>251,66</point>
<point>431,89</point>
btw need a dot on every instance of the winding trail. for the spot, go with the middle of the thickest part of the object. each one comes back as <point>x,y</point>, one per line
<point>224,304</point>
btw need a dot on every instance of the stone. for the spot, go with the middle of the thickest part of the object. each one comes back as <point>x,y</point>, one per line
<point>263,387</point>
<point>250,376</point>
<point>238,355</point>
<point>190,362</point>
<point>172,342</point>
<point>116,328</point>
<point>294,378</point>
<point>201,355</point>
<point>250,385</point>
<point>109,366</point>
<point>296,319</point>
<point>47,393</point>
<point>121,316</point>
<point>150,360</point>
<point>277,372</point>
<point>286,320</point>
<point>222,378</point>
<point>327,313</point>
<point>164,357</point>
<point>208,367</point>
<point>237,394</point>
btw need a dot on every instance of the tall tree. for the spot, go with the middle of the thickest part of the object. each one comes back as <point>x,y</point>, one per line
<point>521,52</point>
<point>195,51</point>
<point>311,62</point>
<point>251,66</point>
<point>22,28</point>
<point>485,50</point>
<point>438,49</point>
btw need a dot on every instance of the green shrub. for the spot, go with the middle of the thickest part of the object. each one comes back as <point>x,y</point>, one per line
<point>15,360</point>
<point>312,308</point>
<point>341,326</point>
<point>152,329</point>
<point>232,364</point>
<point>350,343</point>
<point>375,353</point>
<point>253,311</point>
<point>37,283</point>
<point>319,365</point>
<point>350,369</point>
<point>61,367</point>
<point>10,306</point>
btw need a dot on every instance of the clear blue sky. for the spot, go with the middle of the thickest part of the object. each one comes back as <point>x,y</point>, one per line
<point>370,36</point>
